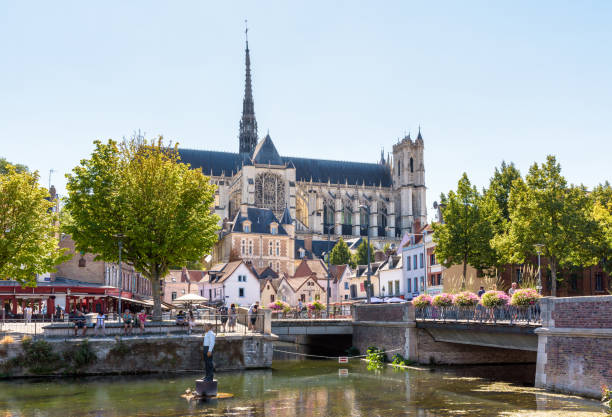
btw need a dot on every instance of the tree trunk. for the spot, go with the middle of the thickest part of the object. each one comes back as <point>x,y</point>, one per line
<point>464,274</point>
<point>553,274</point>
<point>156,290</point>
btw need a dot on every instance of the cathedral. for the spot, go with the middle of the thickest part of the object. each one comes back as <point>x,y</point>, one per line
<point>381,199</point>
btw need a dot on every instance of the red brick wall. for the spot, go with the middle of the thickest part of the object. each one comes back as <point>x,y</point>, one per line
<point>596,314</point>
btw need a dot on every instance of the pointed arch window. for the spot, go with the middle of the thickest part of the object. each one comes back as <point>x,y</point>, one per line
<point>411,165</point>
<point>270,192</point>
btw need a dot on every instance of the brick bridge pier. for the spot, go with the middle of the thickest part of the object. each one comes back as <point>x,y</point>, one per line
<point>572,348</point>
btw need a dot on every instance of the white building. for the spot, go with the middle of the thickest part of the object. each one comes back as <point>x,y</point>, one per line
<point>234,283</point>
<point>414,262</point>
<point>391,274</point>
<point>434,267</point>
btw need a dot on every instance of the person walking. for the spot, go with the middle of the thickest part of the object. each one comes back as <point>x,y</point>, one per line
<point>209,344</point>
<point>481,291</point>
<point>233,315</point>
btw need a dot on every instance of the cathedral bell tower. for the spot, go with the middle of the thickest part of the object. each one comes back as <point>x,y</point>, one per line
<point>248,123</point>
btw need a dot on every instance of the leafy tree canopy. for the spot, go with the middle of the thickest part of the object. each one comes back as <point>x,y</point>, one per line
<point>465,236</point>
<point>5,165</point>
<point>340,253</point>
<point>361,256</point>
<point>544,209</point>
<point>501,185</point>
<point>140,191</point>
<point>28,227</point>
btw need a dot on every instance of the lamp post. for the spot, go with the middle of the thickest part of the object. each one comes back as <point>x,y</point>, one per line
<point>329,229</point>
<point>120,244</point>
<point>539,247</point>
<point>369,286</point>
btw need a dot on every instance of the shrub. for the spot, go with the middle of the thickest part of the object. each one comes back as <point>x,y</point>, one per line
<point>82,355</point>
<point>375,358</point>
<point>525,297</point>
<point>316,306</point>
<point>421,301</point>
<point>494,299</point>
<point>443,300</point>
<point>398,359</point>
<point>38,356</point>
<point>465,299</point>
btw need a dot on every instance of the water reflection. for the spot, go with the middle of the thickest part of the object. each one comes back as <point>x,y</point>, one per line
<point>306,388</point>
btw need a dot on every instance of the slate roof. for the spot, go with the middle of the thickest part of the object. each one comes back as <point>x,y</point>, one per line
<point>286,219</point>
<point>260,221</point>
<point>319,170</point>
<point>265,153</point>
<point>218,162</point>
<point>319,247</point>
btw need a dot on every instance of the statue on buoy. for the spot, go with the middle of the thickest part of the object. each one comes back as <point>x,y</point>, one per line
<point>207,386</point>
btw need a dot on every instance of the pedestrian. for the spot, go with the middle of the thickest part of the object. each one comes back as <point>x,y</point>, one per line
<point>142,317</point>
<point>481,291</point>
<point>127,321</point>
<point>28,314</point>
<point>233,314</point>
<point>253,316</point>
<point>191,321</point>
<point>209,344</point>
<point>512,289</point>
<point>223,316</point>
<point>100,325</point>
<point>299,308</point>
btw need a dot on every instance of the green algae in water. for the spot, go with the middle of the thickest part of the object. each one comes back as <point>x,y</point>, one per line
<point>291,388</point>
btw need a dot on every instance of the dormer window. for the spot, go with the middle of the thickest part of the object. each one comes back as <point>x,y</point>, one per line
<point>302,252</point>
<point>274,228</point>
<point>246,226</point>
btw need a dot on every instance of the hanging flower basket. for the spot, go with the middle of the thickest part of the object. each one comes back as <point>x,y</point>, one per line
<point>421,301</point>
<point>525,297</point>
<point>492,299</point>
<point>443,300</point>
<point>465,299</point>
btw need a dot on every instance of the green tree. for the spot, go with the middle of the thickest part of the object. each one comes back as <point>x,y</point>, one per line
<point>340,253</point>
<point>603,237</point>
<point>28,228</point>
<point>141,191</point>
<point>544,209</point>
<point>361,256</point>
<point>500,186</point>
<point>466,234</point>
<point>5,165</point>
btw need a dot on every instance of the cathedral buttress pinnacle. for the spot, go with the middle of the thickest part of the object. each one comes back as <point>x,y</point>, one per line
<point>248,123</point>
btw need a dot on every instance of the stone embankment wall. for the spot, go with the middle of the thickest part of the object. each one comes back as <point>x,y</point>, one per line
<point>575,345</point>
<point>133,355</point>
<point>393,326</point>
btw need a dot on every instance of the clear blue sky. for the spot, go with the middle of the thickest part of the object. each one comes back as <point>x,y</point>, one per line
<point>487,81</point>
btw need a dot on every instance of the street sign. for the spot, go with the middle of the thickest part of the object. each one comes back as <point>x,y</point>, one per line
<point>342,372</point>
<point>343,359</point>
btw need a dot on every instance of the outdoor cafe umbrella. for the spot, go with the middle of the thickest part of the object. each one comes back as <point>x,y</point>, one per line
<point>188,299</point>
<point>394,300</point>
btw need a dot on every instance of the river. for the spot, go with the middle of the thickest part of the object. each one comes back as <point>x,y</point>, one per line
<point>305,388</point>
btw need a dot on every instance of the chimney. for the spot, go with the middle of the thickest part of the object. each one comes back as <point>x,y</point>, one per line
<point>244,210</point>
<point>308,243</point>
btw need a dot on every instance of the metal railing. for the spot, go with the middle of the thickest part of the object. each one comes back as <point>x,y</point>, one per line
<point>335,312</point>
<point>505,314</point>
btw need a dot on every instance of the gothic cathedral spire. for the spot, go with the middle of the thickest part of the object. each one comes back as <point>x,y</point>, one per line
<point>248,123</point>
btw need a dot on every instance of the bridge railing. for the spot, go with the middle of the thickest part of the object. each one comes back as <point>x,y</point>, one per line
<point>479,314</point>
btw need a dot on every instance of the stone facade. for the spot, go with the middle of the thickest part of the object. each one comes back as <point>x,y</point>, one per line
<point>152,355</point>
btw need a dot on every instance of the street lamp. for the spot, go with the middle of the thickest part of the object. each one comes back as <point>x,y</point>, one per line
<point>329,229</point>
<point>120,243</point>
<point>539,247</point>
<point>369,286</point>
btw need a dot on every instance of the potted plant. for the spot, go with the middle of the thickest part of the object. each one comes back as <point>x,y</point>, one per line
<point>525,297</point>
<point>421,301</point>
<point>492,299</point>
<point>315,308</point>
<point>279,306</point>
<point>442,302</point>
